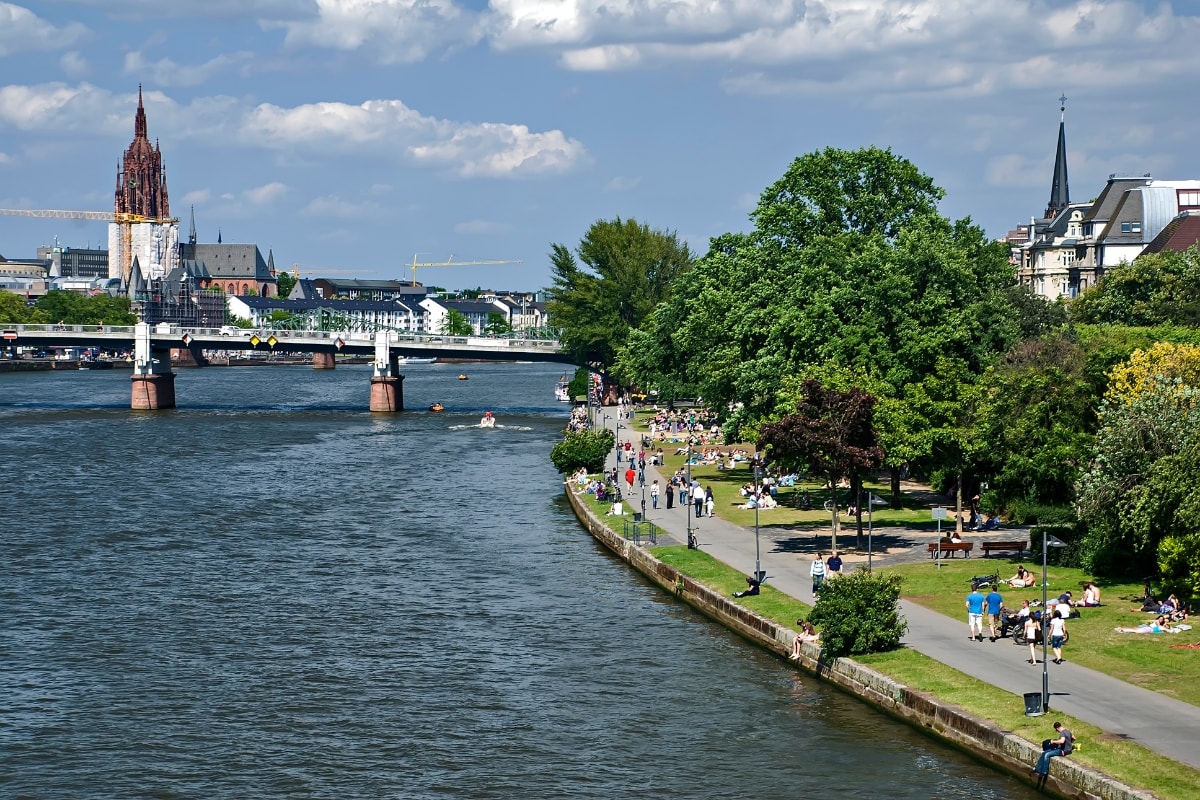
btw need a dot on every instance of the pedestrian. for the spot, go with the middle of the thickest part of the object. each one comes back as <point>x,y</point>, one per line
<point>1062,745</point>
<point>1031,636</point>
<point>654,495</point>
<point>834,565</point>
<point>974,605</point>
<point>817,572</point>
<point>698,498</point>
<point>684,489</point>
<point>630,475</point>
<point>709,501</point>
<point>995,601</point>
<point>671,493</point>
<point>1058,632</point>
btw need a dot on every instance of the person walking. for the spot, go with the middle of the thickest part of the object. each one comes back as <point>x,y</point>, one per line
<point>1058,632</point>
<point>995,602</point>
<point>654,495</point>
<point>817,572</point>
<point>710,502</point>
<point>975,602</point>
<point>670,493</point>
<point>698,498</point>
<point>1031,636</point>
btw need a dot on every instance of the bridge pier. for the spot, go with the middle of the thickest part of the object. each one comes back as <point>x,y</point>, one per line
<point>387,384</point>
<point>153,383</point>
<point>323,361</point>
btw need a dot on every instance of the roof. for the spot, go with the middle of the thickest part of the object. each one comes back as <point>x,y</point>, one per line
<point>1178,235</point>
<point>1110,196</point>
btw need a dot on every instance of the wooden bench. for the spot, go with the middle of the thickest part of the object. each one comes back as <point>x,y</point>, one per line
<point>949,548</point>
<point>1016,546</point>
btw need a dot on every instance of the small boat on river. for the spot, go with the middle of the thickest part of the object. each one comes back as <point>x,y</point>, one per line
<point>488,420</point>
<point>437,407</point>
<point>462,377</point>
<point>403,360</point>
<point>562,390</point>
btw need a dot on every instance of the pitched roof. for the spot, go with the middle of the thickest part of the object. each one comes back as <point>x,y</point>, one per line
<point>1178,235</point>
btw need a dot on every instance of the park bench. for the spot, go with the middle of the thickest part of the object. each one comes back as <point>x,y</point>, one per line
<point>1016,546</point>
<point>948,549</point>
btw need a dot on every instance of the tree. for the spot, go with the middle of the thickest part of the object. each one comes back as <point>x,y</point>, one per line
<point>628,269</point>
<point>497,325</point>
<point>77,309</point>
<point>1152,290</point>
<point>456,324</point>
<point>831,434</point>
<point>1146,370</point>
<point>585,448</point>
<point>859,613</point>
<point>14,309</point>
<point>284,283</point>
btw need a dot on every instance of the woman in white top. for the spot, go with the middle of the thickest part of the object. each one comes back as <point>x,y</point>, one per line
<point>1031,635</point>
<point>1058,629</point>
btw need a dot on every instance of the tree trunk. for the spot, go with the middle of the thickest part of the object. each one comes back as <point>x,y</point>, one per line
<point>858,493</point>
<point>834,523</point>
<point>958,526</point>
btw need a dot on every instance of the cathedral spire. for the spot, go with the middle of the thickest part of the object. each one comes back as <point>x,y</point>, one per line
<point>192,230</point>
<point>1060,194</point>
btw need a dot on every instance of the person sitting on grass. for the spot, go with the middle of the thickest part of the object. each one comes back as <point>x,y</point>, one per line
<point>752,585</point>
<point>1091,595</point>
<point>1023,579</point>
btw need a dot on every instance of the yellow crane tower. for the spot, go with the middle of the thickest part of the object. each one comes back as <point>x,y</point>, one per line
<point>450,262</point>
<point>122,219</point>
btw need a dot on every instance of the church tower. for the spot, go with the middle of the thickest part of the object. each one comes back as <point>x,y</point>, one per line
<point>1060,194</point>
<point>150,241</point>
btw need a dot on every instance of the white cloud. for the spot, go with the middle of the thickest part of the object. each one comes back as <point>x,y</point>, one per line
<point>197,196</point>
<point>166,72</point>
<point>262,195</point>
<point>622,184</point>
<point>392,31</point>
<point>74,65</point>
<point>482,227</point>
<point>334,206</point>
<point>386,129</point>
<point>22,31</point>
<point>5,158</point>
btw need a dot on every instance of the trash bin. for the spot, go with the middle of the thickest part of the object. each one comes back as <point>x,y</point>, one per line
<point>1033,704</point>
<point>637,516</point>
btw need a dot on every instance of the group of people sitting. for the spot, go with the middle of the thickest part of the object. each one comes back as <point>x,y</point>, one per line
<point>757,497</point>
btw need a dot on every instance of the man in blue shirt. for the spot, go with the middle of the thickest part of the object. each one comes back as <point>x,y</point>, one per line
<point>995,601</point>
<point>975,603</point>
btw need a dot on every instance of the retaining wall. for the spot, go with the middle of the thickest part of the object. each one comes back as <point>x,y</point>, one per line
<point>978,737</point>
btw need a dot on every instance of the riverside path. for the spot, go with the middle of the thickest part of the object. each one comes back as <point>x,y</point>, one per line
<point>1157,722</point>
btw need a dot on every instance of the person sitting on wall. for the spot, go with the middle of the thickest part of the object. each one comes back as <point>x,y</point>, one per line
<point>807,634</point>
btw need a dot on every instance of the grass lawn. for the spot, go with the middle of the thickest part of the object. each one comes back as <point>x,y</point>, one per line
<point>1120,758</point>
<point>1146,660</point>
<point>1124,760</point>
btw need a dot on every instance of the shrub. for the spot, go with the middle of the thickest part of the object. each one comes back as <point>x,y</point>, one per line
<point>586,449</point>
<point>859,613</point>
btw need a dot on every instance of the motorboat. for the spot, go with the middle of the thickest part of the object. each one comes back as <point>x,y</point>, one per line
<point>462,377</point>
<point>437,407</point>
<point>488,421</point>
<point>562,390</point>
<point>403,360</point>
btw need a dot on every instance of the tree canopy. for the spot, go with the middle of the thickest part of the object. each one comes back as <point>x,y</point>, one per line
<point>614,279</point>
<point>1154,289</point>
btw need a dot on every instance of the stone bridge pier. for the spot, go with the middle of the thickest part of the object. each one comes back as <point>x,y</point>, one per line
<point>387,384</point>
<point>153,381</point>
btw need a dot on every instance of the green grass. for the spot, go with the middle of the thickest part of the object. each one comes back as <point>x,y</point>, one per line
<point>1145,660</point>
<point>1115,756</point>
<point>769,602</point>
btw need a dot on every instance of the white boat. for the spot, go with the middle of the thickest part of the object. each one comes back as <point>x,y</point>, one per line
<point>562,390</point>
<point>488,421</point>
<point>414,360</point>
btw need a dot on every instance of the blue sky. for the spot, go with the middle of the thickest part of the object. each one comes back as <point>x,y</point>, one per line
<point>349,135</point>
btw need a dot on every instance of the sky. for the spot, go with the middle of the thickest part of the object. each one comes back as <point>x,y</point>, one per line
<point>350,137</point>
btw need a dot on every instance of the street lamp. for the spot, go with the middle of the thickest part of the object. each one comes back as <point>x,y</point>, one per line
<point>689,498</point>
<point>872,501</point>
<point>1047,541</point>
<point>757,464</point>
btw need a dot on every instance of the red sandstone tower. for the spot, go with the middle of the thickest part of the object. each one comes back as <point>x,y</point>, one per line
<point>141,180</point>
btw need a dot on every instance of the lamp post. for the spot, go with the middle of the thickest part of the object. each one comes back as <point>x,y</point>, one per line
<point>688,483</point>
<point>758,576</point>
<point>1047,541</point>
<point>872,501</point>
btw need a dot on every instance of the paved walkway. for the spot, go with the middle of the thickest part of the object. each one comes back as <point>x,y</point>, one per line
<point>1153,720</point>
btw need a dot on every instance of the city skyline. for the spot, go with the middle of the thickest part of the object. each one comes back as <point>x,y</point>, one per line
<point>347,136</point>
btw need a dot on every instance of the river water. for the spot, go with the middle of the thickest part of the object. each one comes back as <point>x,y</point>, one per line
<point>270,592</point>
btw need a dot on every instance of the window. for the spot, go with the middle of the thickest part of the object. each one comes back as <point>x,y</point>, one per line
<point>1126,227</point>
<point>1188,199</point>
<point>1137,227</point>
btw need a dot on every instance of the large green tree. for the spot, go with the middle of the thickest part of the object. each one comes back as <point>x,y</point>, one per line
<point>619,273</point>
<point>1152,290</point>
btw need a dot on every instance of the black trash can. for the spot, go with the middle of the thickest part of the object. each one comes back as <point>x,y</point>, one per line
<point>1033,704</point>
<point>637,517</point>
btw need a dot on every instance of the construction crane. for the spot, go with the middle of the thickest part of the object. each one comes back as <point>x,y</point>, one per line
<point>296,271</point>
<point>123,219</point>
<point>450,262</point>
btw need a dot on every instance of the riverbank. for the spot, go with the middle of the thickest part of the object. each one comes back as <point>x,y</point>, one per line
<point>946,721</point>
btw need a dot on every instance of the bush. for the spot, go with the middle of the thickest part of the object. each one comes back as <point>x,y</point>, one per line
<point>1028,512</point>
<point>859,613</point>
<point>586,449</point>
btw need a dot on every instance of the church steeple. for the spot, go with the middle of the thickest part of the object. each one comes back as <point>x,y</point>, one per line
<point>192,231</point>
<point>142,181</point>
<point>1060,193</point>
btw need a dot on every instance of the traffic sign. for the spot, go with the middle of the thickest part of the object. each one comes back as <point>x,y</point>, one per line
<point>10,335</point>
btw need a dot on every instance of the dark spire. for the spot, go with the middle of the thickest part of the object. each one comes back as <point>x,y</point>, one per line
<point>139,120</point>
<point>218,236</point>
<point>192,231</point>
<point>1060,193</point>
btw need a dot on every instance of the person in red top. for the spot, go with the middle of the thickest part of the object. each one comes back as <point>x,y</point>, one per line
<point>630,475</point>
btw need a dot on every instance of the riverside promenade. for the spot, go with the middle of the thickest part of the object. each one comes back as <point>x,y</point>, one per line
<point>1153,720</point>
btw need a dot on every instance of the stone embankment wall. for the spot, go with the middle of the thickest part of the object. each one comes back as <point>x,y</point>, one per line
<point>978,737</point>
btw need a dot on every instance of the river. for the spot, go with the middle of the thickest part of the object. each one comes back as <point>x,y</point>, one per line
<point>270,592</point>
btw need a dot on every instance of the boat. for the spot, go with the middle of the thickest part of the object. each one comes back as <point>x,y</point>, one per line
<point>562,390</point>
<point>488,421</point>
<point>414,360</point>
<point>437,407</point>
<point>462,377</point>
<point>99,363</point>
